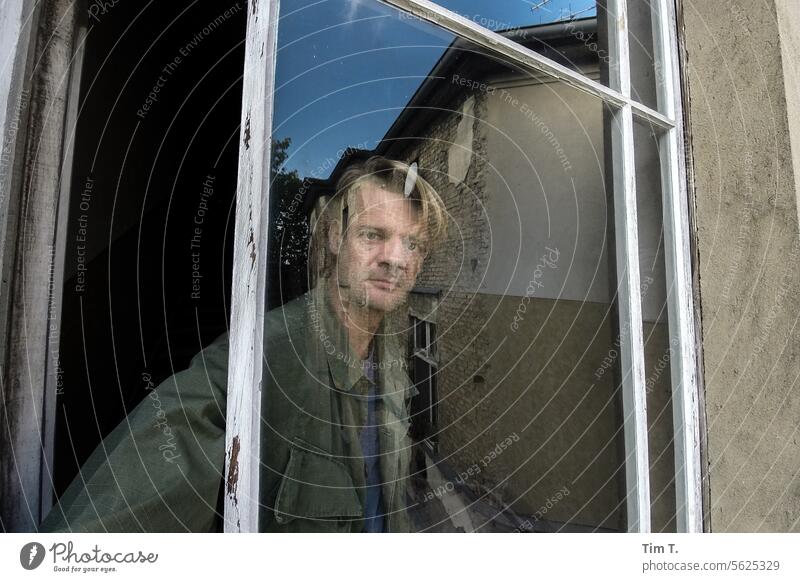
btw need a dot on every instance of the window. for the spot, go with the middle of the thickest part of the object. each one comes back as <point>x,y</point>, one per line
<point>460,297</point>
<point>423,367</point>
<point>564,334</point>
<point>141,158</point>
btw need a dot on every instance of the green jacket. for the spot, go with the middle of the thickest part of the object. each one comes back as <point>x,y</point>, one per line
<point>161,469</point>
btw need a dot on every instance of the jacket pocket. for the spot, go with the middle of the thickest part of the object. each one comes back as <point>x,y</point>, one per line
<point>316,492</point>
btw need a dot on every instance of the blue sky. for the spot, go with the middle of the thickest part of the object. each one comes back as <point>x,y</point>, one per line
<point>346,68</point>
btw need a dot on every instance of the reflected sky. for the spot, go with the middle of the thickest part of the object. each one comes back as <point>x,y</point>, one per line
<point>347,68</point>
<point>345,71</point>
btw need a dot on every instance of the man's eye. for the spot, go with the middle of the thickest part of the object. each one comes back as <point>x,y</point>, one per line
<point>412,245</point>
<point>371,235</point>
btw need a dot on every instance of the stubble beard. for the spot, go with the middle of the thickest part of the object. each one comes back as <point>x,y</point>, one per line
<point>359,297</point>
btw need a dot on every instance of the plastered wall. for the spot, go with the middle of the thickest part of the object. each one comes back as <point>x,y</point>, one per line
<point>744,124</point>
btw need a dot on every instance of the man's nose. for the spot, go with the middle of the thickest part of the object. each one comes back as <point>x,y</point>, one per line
<point>395,253</point>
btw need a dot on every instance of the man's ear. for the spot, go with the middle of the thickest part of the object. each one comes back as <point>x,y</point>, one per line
<point>334,237</point>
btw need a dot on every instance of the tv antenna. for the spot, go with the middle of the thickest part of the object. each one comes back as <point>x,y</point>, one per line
<point>539,5</point>
<point>569,14</point>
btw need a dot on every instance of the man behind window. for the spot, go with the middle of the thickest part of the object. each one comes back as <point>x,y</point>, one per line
<point>335,447</point>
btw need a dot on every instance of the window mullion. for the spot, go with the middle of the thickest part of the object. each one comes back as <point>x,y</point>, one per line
<point>630,314</point>
<point>619,67</point>
<point>248,295</point>
<point>634,396</point>
<point>650,117</point>
<point>685,405</point>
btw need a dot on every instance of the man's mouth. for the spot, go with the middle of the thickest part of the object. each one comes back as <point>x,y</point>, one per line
<point>384,284</point>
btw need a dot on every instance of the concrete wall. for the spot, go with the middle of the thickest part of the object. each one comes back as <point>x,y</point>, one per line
<point>744,123</point>
<point>789,30</point>
<point>546,192</point>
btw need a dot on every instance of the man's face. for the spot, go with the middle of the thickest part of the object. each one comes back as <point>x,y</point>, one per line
<point>381,250</point>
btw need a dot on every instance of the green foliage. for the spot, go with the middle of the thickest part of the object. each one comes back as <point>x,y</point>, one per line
<point>289,235</point>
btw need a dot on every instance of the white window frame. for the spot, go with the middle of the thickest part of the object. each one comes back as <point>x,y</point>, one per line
<point>252,220</point>
<point>428,351</point>
<point>428,354</point>
<point>40,71</point>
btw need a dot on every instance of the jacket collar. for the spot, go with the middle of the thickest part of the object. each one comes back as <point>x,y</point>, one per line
<point>331,337</point>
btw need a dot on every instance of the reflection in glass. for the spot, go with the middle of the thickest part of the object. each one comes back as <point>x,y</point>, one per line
<point>646,71</point>
<point>439,350</point>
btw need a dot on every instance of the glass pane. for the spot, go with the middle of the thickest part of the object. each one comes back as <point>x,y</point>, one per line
<point>420,337</point>
<point>658,346</point>
<point>645,71</point>
<point>496,243</point>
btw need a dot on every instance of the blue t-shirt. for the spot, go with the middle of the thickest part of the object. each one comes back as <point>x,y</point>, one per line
<point>370,446</point>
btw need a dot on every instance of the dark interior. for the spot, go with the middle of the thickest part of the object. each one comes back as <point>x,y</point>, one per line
<point>156,148</point>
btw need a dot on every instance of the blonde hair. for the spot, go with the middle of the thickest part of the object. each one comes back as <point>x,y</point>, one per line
<point>389,175</point>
